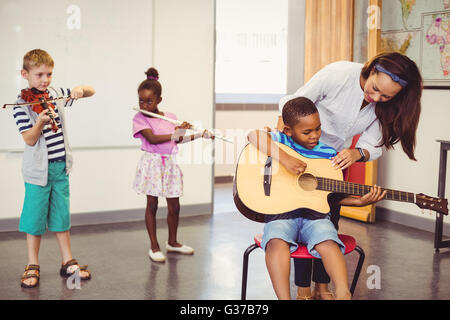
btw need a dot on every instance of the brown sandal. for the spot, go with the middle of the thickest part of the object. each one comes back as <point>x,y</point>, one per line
<point>318,295</point>
<point>64,273</point>
<point>27,275</point>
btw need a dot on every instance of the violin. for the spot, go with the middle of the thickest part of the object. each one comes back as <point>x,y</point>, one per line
<point>38,101</point>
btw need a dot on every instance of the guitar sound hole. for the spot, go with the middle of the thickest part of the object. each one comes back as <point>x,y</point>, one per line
<point>307,182</point>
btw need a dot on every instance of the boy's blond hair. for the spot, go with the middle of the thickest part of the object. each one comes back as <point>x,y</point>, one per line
<point>35,58</point>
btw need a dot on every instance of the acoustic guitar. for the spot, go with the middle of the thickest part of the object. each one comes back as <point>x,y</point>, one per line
<point>262,187</point>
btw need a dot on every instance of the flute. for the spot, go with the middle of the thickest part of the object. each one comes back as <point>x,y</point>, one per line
<point>178,122</point>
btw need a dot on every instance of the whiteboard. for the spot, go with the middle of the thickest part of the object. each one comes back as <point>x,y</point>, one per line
<point>106,44</point>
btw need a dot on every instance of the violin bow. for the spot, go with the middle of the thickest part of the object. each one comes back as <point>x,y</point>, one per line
<point>37,102</point>
<point>178,122</point>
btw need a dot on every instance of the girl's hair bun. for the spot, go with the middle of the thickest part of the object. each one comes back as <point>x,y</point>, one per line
<point>152,74</point>
<point>151,82</point>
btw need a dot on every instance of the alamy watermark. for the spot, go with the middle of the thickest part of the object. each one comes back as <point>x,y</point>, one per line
<point>74,19</point>
<point>374,280</point>
<point>74,281</point>
<point>374,17</point>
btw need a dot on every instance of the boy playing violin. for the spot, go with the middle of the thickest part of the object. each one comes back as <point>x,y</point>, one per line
<point>47,160</point>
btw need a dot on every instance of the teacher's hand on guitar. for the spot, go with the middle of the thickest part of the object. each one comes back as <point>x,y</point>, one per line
<point>345,158</point>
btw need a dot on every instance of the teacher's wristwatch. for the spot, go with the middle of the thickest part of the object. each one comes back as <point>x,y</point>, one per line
<point>363,156</point>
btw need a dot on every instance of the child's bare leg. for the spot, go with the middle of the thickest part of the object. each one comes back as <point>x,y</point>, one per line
<point>150,221</point>
<point>322,291</point>
<point>304,293</point>
<point>173,214</point>
<point>278,262</point>
<point>63,239</point>
<point>33,245</point>
<point>334,263</point>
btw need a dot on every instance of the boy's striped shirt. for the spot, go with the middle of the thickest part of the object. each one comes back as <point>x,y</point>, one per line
<point>320,151</point>
<point>54,140</point>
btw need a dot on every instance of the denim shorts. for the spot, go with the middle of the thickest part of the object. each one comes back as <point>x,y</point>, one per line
<point>48,205</point>
<point>302,230</point>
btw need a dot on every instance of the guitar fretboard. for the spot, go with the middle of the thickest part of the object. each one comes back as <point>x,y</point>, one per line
<point>357,189</point>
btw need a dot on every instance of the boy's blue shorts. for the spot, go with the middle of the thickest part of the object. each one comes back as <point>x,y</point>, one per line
<point>301,230</point>
<point>49,205</point>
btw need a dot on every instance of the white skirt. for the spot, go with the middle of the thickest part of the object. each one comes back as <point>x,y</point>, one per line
<point>158,175</point>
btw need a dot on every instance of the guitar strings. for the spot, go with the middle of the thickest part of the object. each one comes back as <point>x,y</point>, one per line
<point>327,184</point>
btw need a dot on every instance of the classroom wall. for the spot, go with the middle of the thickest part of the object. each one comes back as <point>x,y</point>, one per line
<point>90,43</point>
<point>183,53</point>
<point>100,184</point>
<point>248,113</point>
<point>236,125</point>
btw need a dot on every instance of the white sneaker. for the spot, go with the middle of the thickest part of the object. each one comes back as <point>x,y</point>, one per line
<point>156,256</point>
<point>183,249</point>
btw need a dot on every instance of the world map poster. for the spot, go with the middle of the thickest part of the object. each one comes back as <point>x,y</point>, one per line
<point>421,30</point>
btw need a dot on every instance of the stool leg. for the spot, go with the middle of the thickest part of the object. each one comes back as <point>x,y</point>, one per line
<point>245,270</point>
<point>358,268</point>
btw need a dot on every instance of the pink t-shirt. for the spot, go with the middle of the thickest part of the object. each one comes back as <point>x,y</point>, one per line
<point>158,126</point>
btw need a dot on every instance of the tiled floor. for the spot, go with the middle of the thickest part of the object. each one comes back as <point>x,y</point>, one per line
<point>117,257</point>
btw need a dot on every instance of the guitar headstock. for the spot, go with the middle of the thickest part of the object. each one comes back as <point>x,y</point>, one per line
<point>436,204</point>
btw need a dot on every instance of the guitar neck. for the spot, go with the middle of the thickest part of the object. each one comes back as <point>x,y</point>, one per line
<point>357,189</point>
